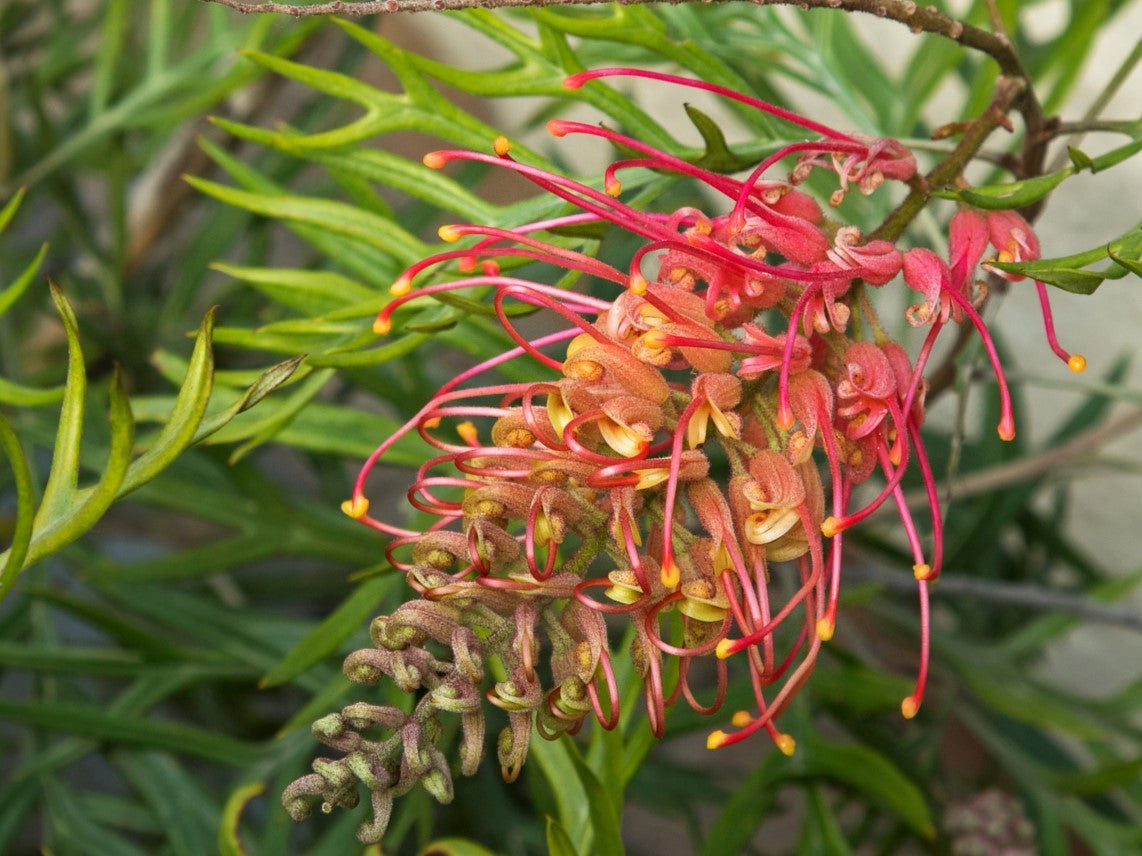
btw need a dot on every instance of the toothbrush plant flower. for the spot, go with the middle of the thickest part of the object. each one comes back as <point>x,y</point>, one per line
<point>687,457</point>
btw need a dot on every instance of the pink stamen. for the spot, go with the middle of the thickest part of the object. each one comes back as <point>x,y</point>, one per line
<point>574,81</point>
<point>1007,417</point>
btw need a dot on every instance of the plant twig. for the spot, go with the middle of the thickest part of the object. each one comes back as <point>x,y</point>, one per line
<point>1012,594</point>
<point>1077,449</point>
<point>916,17</point>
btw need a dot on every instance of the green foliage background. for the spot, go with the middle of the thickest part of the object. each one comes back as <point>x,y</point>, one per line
<point>158,674</point>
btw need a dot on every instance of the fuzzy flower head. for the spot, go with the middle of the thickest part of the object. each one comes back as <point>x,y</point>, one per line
<point>685,457</point>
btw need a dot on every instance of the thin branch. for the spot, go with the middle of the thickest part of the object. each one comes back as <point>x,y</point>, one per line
<point>1076,450</point>
<point>916,17</point>
<point>1012,594</point>
<point>1008,91</point>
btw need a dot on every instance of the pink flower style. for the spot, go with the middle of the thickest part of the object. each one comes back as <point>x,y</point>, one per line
<point>595,491</point>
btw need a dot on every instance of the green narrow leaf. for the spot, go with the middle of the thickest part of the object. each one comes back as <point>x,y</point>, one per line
<point>19,395</point>
<point>1067,272</point>
<point>74,830</point>
<point>329,215</point>
<point>60,489</point>
<point>92,502</point>
<point>745,810</point>
<point>90,720</point>
<point>327,636</point>
<point>229,842</point>
<point>1015,194</point>
<point>824,824</point>
<point>1132,265</point>
<point>603,814</point>
<point>267,382</point>
<point>271,425</point>
<point>1080,159</point>
<point>182,809</point>
<point>12,293</point>
<point>1099,781</point>
<point>718,156</point>
<point>553,760</point>
<point>455,847</point>
<point>14,556</point>
<point>11,207</point>
<point>189,407</point>
<point>312,292</point>
<point>558,842</point>
<point>870,773</point>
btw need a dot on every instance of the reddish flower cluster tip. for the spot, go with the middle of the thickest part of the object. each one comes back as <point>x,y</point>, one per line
<point>695,442</point>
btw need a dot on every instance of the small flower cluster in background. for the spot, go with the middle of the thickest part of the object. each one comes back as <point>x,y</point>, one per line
<point>689,464</point>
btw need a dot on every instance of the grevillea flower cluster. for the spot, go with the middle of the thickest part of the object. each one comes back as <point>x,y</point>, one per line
<point>686,463</point>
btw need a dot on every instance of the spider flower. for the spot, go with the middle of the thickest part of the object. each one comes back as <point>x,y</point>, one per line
<point>687,456</point>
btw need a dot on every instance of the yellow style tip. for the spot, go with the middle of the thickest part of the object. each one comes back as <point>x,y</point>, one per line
<point>785,418</point>
<point>741,718</point>
<point>613,186</point>
<point>1006,430</point>
<point>450,233</point>
<point>830,526</point>
<point>502,145</point>
<point>724,649</point>
<point>671,574</point>
<point>382,325</point>
<point>1077,363</point>
<point>909,707</point>
<point>922,571</point>
<point>638,283</point>
<point>716,740</point>
<point>786,744</point>
<point>401,286</point>
<point>356,507</point>
<point>468,433</point>
<point>825,629</point>
<point>654,339</point>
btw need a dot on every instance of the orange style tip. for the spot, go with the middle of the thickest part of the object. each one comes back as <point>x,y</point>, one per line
<point>613,186</point>
<point>557,127</point>
<point>922,571</point>
<point>786,744</point>
<point>1006,431</point>
<point>1077,363</point>
<point>572,82</point>
<point>894,456</point>
<point>450,233</point>
<point>741,719</point>
<point>724,649</point>
<point>784,419</point>
<point>825,629</point>
<point>638,284</point>
<point>382,325</point>
<point>401,287</point>
<point>491,267</point>
<point>502,145</point>
<point>431,422</point>
<point>909,707</point>
<point>671,575</point>
<point>716,740</point>
<point>831,526</point>
<point>357,507</point>
<point>467,432</point>
<point>434,160</point>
